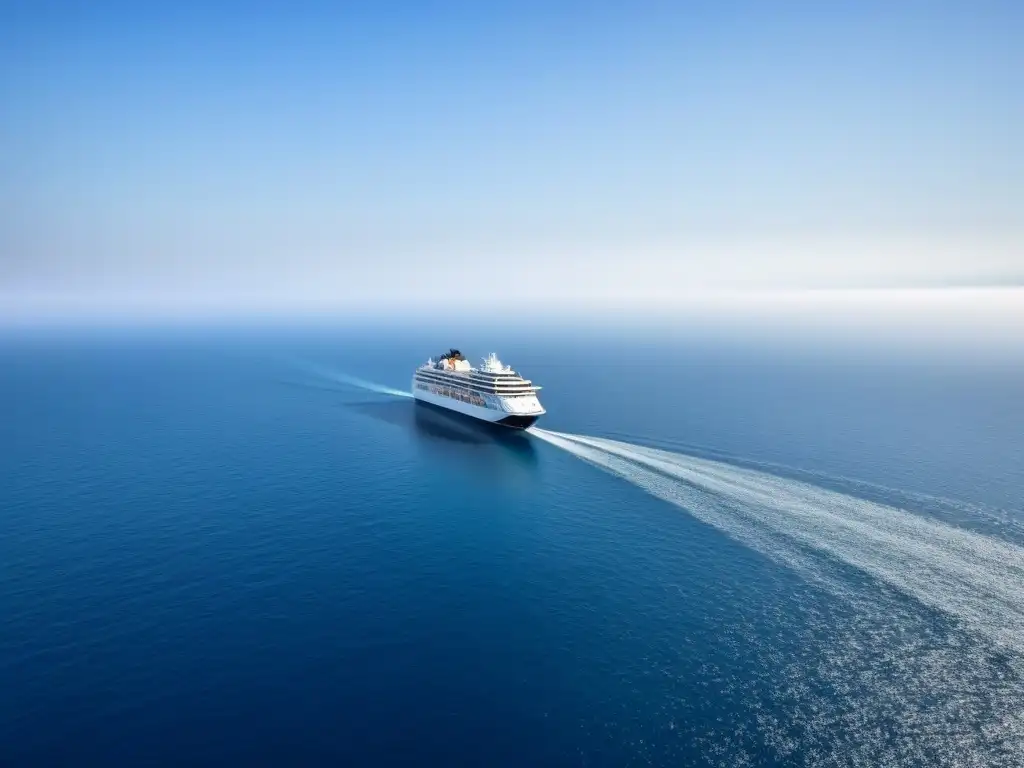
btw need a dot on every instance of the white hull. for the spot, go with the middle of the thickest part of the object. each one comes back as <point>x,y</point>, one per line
<point>505,418</point>
<point>466,409</point>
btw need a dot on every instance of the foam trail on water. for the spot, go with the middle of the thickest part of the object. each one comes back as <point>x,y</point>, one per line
<point>973,578</point>
<point>998,521</point>
<point>352,381</point>
<point>876,678</point>
<point>370,386</point>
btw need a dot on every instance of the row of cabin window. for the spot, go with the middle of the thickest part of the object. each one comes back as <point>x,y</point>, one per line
<point>462,396</point>
<point>481,390</point>
<point>437,388</point>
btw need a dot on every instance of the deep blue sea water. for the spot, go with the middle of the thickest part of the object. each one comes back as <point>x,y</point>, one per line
<point>217,550</point>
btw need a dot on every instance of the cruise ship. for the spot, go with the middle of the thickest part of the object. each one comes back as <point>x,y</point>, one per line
<point>491,392</point>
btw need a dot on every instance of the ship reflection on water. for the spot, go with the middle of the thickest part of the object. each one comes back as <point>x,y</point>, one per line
<point>481,446</point>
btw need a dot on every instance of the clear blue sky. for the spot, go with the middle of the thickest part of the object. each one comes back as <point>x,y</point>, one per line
<point>315,154</point>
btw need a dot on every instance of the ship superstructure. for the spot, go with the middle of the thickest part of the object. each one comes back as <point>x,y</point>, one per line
<point>491,392</point>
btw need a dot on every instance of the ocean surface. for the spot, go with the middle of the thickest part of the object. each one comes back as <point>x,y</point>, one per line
<point>251,547</point>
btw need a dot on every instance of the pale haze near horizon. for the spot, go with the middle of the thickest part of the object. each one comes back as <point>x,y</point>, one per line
<point>248,159</point>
